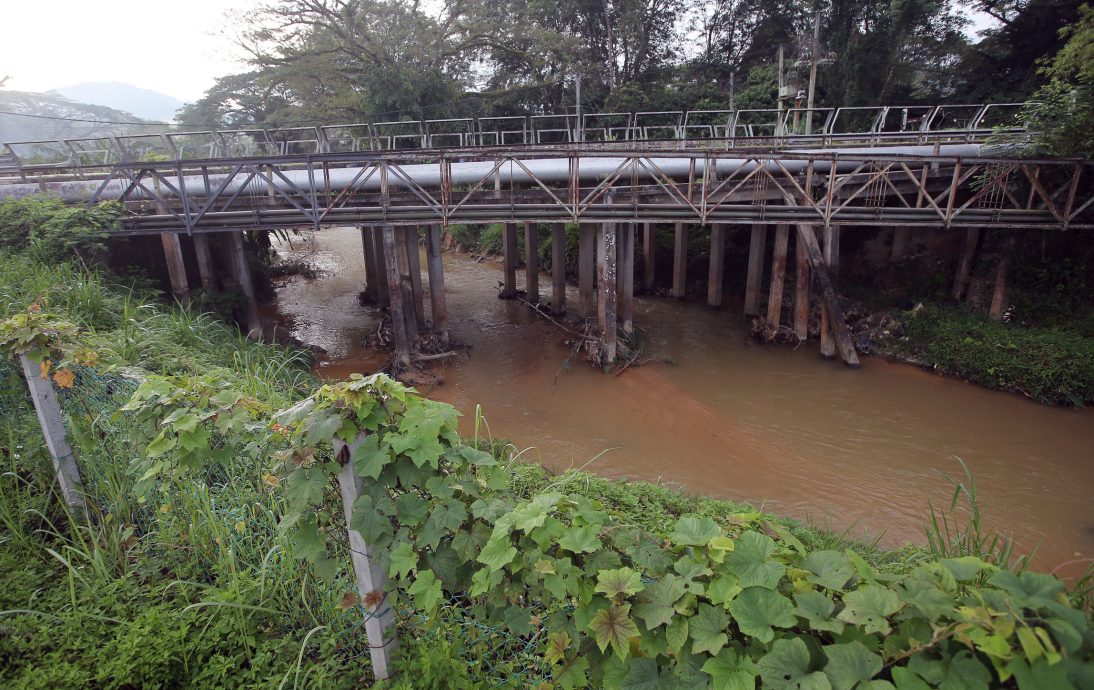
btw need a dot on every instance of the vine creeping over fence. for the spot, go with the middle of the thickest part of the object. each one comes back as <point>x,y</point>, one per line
<point>603,603</point>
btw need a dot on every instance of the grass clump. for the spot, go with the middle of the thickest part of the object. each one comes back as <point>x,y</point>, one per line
<point>1050,365</point>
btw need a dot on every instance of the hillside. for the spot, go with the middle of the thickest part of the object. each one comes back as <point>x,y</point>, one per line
<point>144,103</point>
<point>84,120</point>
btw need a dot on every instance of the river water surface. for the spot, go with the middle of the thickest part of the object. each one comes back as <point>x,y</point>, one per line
<point>780,428</point>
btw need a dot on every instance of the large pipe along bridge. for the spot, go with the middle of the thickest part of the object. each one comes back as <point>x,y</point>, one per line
<point>614,193</point>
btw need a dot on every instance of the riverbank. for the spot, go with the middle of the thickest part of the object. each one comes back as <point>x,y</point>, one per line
<point>194,580</point>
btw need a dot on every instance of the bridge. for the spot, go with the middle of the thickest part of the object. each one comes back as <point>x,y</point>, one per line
<point>950,167</point>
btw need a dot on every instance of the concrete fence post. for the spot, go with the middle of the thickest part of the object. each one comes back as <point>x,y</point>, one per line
<point>53,429</point>
<point>371,578</point>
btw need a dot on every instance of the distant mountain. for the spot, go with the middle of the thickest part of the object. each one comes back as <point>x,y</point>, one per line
<point>48,116</point>
<point>144,103</point>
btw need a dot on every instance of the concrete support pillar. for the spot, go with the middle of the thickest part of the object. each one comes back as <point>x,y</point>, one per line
<point>778,276</point>
<point>395,296</point>
<point>531,261</point>
<point>648,255</point>
<point>406,287</point>
<point>829,298</point>
<point>680,262</point>
<point>801,291</point>
<point>241,271</point>
<point>756,250</point>
<point>606,274</point>
<point>558,268</point>
<point>717,261</point>
<point>437,303</point>
<point>414,269</point>
<point>901,237</point>
<point>626,276</point>
<point>509,252</point>
<point>205,262</point>
<point>372,276</point>
<point>176,267</point>
<point>964,263</point>
<point>380,258</point>
<point>830,254</point>
<point>586,269</point>
<point>53,430</point>
<point>999,296</point>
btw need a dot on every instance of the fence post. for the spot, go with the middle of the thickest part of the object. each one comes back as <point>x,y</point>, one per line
<point>371,578</point>
<point>53,429</point>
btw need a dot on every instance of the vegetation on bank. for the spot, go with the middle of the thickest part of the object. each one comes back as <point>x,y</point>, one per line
<point>214,555</point>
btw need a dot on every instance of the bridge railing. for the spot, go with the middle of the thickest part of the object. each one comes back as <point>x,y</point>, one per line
<point>798,127</point>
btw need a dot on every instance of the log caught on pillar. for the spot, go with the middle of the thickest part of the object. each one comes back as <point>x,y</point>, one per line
<point>405,287</point>
<point>626,276</point>
<point>176,267</point>
<point>205,262</point>
<point>801,292</point>
<point>828,295</point>
<point>830,253</point>
<point>372,278</point>
<point>380,258</point>
<point>414,270</point>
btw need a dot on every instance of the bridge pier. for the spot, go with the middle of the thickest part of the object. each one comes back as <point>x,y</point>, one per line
<point>176,267</point>
<point>801,292</point>
<point>648,255</point>
<point>395,296</point>
<point>827,288</point>
<point>414,272</point>
<point>717,262</point>
<point>756,250</point>
<point>558,268</point>
<point>531,261</point>
<point>437,302</point>
<point>778,276</point>
<point>406,288</point>
<point>241,272</point>
<point>205,262</point>
<point>830,254</point>
<point>606,274</point>
<point>379,257</point>
<point>586,269</point>
<point>509,251</point>
<point>964,264</point>
<point>901,236</point>
<point>372,280</point>
<point>626,276</point>
<point>680,262</point>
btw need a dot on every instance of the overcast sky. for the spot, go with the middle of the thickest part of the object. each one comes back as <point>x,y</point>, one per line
<point>176,47</point>
<point>170,46</point>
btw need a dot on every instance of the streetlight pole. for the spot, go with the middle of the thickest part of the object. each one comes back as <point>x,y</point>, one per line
<point>812,73</point>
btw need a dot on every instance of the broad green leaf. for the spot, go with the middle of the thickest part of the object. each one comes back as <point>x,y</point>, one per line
<point>369,458</point>
<point>581,540</point>
<point>411,509</point>
<point>850,663</point>
<point>305,487</point>
<point>558,643</point>
<point>497,553</point>
<point>321,426</point>
<point>966,568</point>
<point>719,547</point>
<point>620,582</point>
<point>931,601</point>
<point>161,444</point>
<point>817,609</point>
<point>369,519</point>
<point>757,610</point>
<point>962,671</point>
<point>641,675</point>
<point>906,679</point>
<point>572,674</point>
<point>707,629</point>
<point>1029,589</point>
<point>676,634</point>
<point>751,561</point>
<point>307,542</point>
<point>723,590</point>
<point>403,560</point>
<point>730,671</point>
<point>426,590</point>
<point>694,530</point>
<point>830,569</point>
<point>786,667</point>
<point>613,626</point>
<point>869,607</point>
<point>477,457</point>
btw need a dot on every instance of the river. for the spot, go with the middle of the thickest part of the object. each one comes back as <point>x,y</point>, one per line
<point>857,451</point>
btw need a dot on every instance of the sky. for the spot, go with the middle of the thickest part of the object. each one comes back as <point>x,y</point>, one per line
<point>165,45</point>
<point>176,48</point>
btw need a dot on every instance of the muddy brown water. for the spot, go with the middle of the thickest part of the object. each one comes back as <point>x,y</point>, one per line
<point>778,427</point>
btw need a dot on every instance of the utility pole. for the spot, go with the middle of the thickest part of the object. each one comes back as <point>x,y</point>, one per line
<point>779,95</point>
<point>579,129</point>
<point>812,72</point>
<point>731,87</point>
